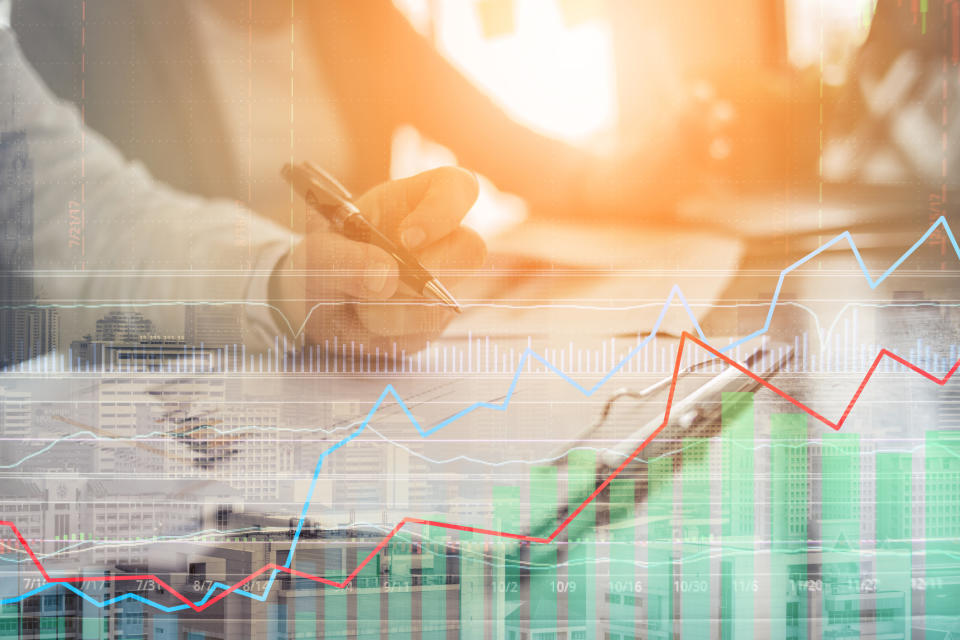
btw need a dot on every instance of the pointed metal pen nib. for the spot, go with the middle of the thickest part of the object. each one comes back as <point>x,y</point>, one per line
<point>438,291</point>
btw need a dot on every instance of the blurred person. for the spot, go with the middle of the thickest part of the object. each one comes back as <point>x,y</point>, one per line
<point>214,95</point>
<point>893,123</point>
<point>68,195</point>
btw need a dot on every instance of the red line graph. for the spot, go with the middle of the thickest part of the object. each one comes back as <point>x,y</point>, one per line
<point>685,338</point>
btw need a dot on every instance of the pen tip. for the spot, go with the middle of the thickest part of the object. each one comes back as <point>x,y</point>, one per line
<point>438,291</point>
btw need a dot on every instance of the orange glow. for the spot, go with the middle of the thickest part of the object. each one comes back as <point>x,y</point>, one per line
<point>827,30</point>
<point>554,77</point>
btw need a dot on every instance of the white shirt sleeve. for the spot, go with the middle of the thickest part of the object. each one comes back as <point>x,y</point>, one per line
<point>124,236</point>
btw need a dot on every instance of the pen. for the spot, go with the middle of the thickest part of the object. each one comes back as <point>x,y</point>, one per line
<point>683,414</point>
<point>700,407</point>
<point>325,195</point>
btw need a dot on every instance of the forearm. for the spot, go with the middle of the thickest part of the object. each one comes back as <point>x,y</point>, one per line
<point>107,233</point>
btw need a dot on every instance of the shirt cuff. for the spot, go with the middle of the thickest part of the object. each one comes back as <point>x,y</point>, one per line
<point>266,326</point>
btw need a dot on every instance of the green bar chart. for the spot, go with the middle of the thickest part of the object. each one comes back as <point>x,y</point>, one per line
<point>771,527</point>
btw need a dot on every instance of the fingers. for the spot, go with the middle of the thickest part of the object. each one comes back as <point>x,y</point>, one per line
<point>336,266</point>
<point>423,212</point>
<point>411,315</point>
<point>461,251</point>
<point>440,200</point>
<point>424,208</point>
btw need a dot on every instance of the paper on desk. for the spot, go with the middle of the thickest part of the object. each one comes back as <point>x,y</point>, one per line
<point>881,216</point>
<point>552,279</point>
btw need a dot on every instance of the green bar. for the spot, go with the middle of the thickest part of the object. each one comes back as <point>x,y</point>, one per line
<point>433,603</point>
<point>9,588</point>
<point>695,547</point>
<point>399,599</point>
<point>942,486</point>
<point>9,621</point>
<point>305,609</point>
<point>894,533</point>
<point>659,595</point>
<point>10,627</point>
<point>582,591</point>
<point>622,569</point>
<point>507,580</point>
<point>165,626</point>
<point>92,628</point>
<point>789,513</point>
<point>276,625</point>
<point>334,600</point>
<point>739,585</point>
<point>841,533</point>
<point>472,586</point>
<point>543,557</point>
<point>55,627</point>
<point>367,585</point>
<point>95,624</point>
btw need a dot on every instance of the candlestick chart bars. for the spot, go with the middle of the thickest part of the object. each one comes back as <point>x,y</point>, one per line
<point>274,569</point>
<point>220,590</point>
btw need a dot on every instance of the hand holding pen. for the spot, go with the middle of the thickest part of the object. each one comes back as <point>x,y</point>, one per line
<point>378,269</point>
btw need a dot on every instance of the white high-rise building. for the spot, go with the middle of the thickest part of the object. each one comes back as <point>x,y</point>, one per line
<point>15,413</point>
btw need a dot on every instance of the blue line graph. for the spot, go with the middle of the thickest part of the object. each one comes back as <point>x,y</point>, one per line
<point>162,435</point>
<point>389,391</point>
<point>873,284</point>
<point>675,291</point>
